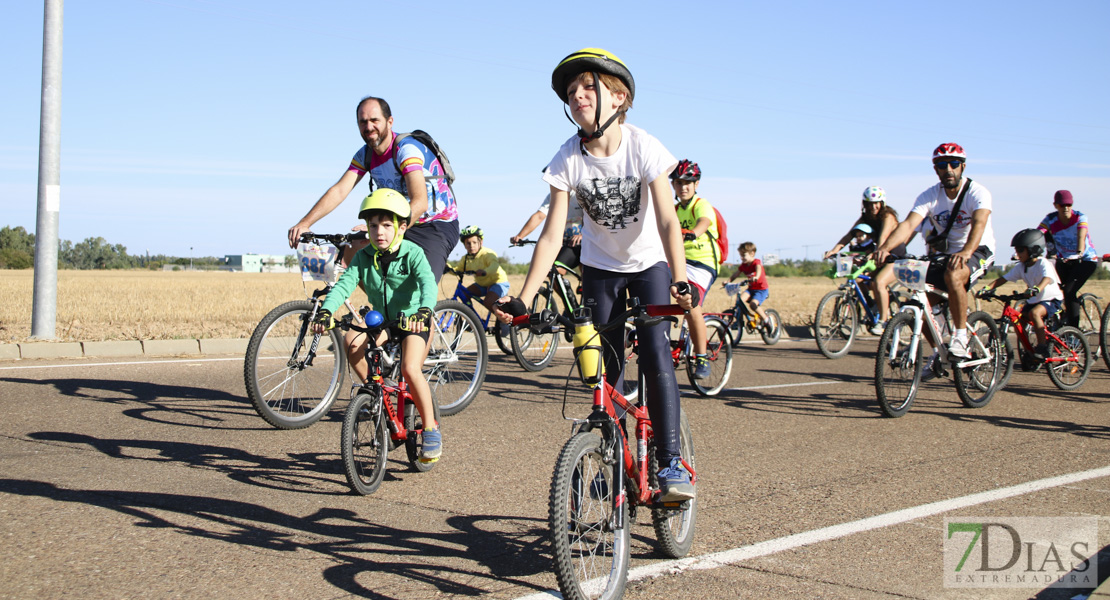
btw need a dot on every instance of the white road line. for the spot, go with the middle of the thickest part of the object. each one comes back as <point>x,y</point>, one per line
<point>781,385</point>
<point>137,362</point>
<point>806,538</point>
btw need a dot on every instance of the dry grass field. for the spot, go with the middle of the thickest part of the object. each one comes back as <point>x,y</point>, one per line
<point>128,305</point>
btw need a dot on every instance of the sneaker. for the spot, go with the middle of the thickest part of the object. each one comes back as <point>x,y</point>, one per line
<point>877,328</point>
<point>929,371</point>
<point>958,348</point>
<point>674,482</point>
<point>1040,352</point>
<point>701,367</point>
<point>431,446</point>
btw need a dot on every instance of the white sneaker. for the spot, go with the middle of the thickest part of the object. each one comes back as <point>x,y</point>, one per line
<point>958,348</point>
<point>877,328</point>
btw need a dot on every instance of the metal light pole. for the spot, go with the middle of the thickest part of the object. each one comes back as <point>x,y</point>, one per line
<point>44,309</point>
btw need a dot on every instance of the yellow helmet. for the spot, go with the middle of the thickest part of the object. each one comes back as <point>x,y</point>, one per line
<point>386,199</point>
<point>593,60</point>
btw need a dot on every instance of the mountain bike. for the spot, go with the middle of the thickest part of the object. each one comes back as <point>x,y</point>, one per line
<point>601,478</point>
<point>743,319</point>
<point>372,427</point>
<point>899,360</point>
<point>293,376</point>
<point>840,312</point>
<point>534,351</point>
<point>1069,359</point>
<point>464,297</point>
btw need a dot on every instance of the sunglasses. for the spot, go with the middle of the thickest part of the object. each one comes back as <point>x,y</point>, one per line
<point>955,164</point>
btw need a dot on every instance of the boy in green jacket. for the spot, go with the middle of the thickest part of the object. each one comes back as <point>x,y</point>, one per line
<point>397,279</point>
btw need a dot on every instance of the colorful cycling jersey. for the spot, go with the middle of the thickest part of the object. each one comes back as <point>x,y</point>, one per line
<point>1066,235</point>
<point>411,156</point>
<point>574,216</point>
<point>484,260</point>
<point>704,249</point>
<point>749,270</point>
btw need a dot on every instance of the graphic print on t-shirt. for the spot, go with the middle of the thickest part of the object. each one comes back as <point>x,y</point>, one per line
<point>612,201</point>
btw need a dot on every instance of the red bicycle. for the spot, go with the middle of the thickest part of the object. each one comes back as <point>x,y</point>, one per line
<point>1069,359</point>
<point>600,480</point>
<point>372,426</point>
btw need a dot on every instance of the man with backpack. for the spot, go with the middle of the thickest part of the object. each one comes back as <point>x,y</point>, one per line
<point>411,164</point>
<point>703,254</point>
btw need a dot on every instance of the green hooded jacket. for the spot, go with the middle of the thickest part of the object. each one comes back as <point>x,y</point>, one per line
<point>406,286</point>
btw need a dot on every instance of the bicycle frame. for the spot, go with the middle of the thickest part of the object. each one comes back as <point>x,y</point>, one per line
<point>377,355</point>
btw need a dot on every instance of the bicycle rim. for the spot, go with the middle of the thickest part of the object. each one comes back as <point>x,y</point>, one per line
<point>674,528</point>
<point>835,324</point>
<point>591,555</point>
<point>1071,356</point>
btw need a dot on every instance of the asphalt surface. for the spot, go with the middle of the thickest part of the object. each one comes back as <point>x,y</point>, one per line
<point>140,478</point>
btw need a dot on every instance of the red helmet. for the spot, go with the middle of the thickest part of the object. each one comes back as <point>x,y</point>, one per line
<point>953,150</point>
<point>686,170</point>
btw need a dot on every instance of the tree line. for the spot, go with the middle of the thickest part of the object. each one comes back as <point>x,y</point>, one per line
<point>17,251</point>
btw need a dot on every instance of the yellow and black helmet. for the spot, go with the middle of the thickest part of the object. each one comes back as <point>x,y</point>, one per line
<point>590,60</point>
<point>385,199</point>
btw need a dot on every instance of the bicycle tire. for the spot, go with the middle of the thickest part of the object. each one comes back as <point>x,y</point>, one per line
<point>1009,356</point>
<point>458,357</point>
<point>718,349</point>
<point>292,394</point>
<point>535,351</point>
<point>977,385</point>
<point>771,338</point>
<point>893,364</point>
<point>1090,322</point>
<point>502,342</point>
<point>591,555</point>
<point>674,529</point>
<point>1069,375</point>
<point>365,443</point>
<point>838,327</point>
<point>1104,336</point>
<point>415,426</point>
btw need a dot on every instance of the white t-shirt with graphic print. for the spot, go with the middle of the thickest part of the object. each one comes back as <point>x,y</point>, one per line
<point>935,206</point>
<point>619,231</point>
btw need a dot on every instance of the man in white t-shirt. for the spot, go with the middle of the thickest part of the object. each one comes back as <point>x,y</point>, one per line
<point>968,249</point>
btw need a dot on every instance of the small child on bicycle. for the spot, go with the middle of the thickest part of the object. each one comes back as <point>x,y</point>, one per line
<point>397,279</point>
<point>1044,296</point>
<point>862,241</point>
<point>758,290</point>
<point>490,280</point>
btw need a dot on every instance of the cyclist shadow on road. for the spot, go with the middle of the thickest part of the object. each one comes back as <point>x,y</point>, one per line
<point>370,559</point>
<point>185,406</point>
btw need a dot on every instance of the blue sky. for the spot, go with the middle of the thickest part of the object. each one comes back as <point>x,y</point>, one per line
<point>215,125</point>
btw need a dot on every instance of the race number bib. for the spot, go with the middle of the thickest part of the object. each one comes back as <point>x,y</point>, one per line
<point>733,288</point>
<point>911,273</point>
<point>844,265</point>
<point>317,262</point>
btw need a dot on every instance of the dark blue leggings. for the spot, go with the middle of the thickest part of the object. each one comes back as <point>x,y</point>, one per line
<point>604,292</point>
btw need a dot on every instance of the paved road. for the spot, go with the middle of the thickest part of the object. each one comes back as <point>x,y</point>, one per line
<point>156,479</point>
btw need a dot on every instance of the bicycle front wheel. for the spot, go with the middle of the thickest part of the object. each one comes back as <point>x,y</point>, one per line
<point>835,324</point>
<point>456,364</point>
<point>976,385</point>
<point>1070,358</point>
<point>897,373</point>
<point>365,443</point>
<point>534,351</point>
<point>591,552</point>
<point>1104,336</point>
<point>1090,314</point>
<point>293,376</point>
<point>773,333</point>
<point>718,350</point>
<point>674,527</point>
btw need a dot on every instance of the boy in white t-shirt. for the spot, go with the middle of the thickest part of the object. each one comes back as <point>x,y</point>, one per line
<point>631,237</point>
<point>1044,296</point>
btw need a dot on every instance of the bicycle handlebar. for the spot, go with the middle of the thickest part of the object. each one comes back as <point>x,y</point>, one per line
<point>523,243</point>
<point>655,313</point>
<point>335,239</point>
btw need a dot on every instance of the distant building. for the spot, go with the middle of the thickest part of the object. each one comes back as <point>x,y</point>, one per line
<point>256,263</point>
<point>771,259</point>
